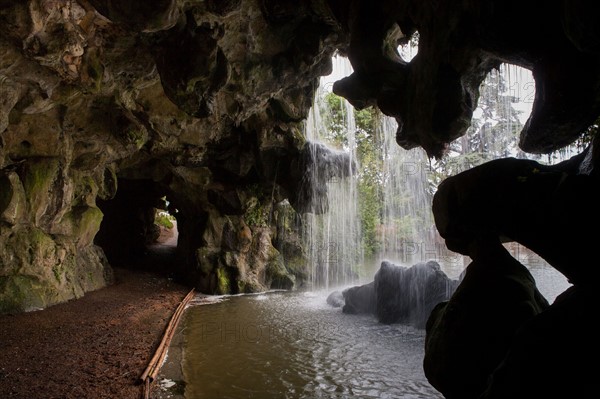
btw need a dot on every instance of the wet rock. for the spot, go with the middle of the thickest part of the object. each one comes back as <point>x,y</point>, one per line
<point>401,294</point>
<point>316,165</point>
<point>359,299</point>
<point>336,299</point>
<point>408,294</point>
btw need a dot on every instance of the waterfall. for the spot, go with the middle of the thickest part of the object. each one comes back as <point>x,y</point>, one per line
<point>408,233</point>
<point>333,238</point>
<point>405,228</point>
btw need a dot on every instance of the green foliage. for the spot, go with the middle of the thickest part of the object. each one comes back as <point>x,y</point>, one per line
<point>257,215</point>
<point>369,158</point>
<point>335,120</point>
<point>164,219</point>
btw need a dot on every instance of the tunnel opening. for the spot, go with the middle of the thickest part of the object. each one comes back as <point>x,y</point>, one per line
<point>139,229</point>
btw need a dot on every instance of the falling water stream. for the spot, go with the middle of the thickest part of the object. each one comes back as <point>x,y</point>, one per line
<point>294,345</point>
<point>331,238</point>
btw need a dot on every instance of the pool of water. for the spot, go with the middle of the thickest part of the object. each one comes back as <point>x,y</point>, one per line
<point>294,345</point>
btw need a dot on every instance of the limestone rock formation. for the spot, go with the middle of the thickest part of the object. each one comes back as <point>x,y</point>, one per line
<point>524,201</point>
<point>409,294</point>
<point>335,299</point>
<point>548,350</point>
<point>433,96</point>
<point>201,102</point>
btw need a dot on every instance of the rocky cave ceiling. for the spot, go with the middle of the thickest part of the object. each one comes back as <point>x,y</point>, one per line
<point>175,76</point>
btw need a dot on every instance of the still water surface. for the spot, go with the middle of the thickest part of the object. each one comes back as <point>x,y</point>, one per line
<point>294,345</point>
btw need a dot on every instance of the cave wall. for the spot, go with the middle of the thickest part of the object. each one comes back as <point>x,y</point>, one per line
<point>204,98</point>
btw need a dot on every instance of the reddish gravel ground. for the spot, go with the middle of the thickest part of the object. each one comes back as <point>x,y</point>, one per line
<point>90,348</point>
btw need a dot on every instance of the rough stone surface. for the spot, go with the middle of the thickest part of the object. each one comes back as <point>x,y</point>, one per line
<point>527,202</point>
<point>203,101</point>
<point>335,299</point>
<point>549,210</point>
<point>433,96</point>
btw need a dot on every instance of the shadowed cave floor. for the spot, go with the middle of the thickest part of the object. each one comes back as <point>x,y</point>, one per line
<point>93,347</point>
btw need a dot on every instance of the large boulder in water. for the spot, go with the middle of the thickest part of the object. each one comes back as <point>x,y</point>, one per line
<point>408,294</point>
<point>400,294</point>
<point>359,299</point>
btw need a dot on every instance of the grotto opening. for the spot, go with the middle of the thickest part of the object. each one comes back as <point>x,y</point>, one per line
<point>203,101</point>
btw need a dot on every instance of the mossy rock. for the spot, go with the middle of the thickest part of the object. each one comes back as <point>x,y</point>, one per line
<point>12,198</point>
<point>21,294</point>
<point>38,177</point>
<point>223,281</point>
<point>277,277</point>
<point>81,223</point>
<point>107,185</point>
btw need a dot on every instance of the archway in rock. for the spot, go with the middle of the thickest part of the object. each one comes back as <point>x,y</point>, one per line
<point>139,229</point>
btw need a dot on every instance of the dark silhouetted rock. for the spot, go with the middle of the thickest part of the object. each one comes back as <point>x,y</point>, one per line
<point>545,358</point>
<point>468,336</point>
<point>524,201</point>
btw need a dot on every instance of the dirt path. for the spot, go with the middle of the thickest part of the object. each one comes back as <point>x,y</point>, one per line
<point>94,347</point>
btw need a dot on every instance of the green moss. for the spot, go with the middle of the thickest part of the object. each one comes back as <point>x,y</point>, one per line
<point>137,137</point>
<point>37,181</point>
<point>41,245</point>
<point>256,216</point>
<point>56,270</point>
<point>277,274</point>
<point>223,281</point>
<point>20,293</point>
<point>82,222</point>
<point>95,68</point>
<point>298,136</point>
<point>85,191</point>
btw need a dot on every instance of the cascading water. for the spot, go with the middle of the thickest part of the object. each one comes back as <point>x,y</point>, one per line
<point>333,238</point>
<point>408,233</point>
